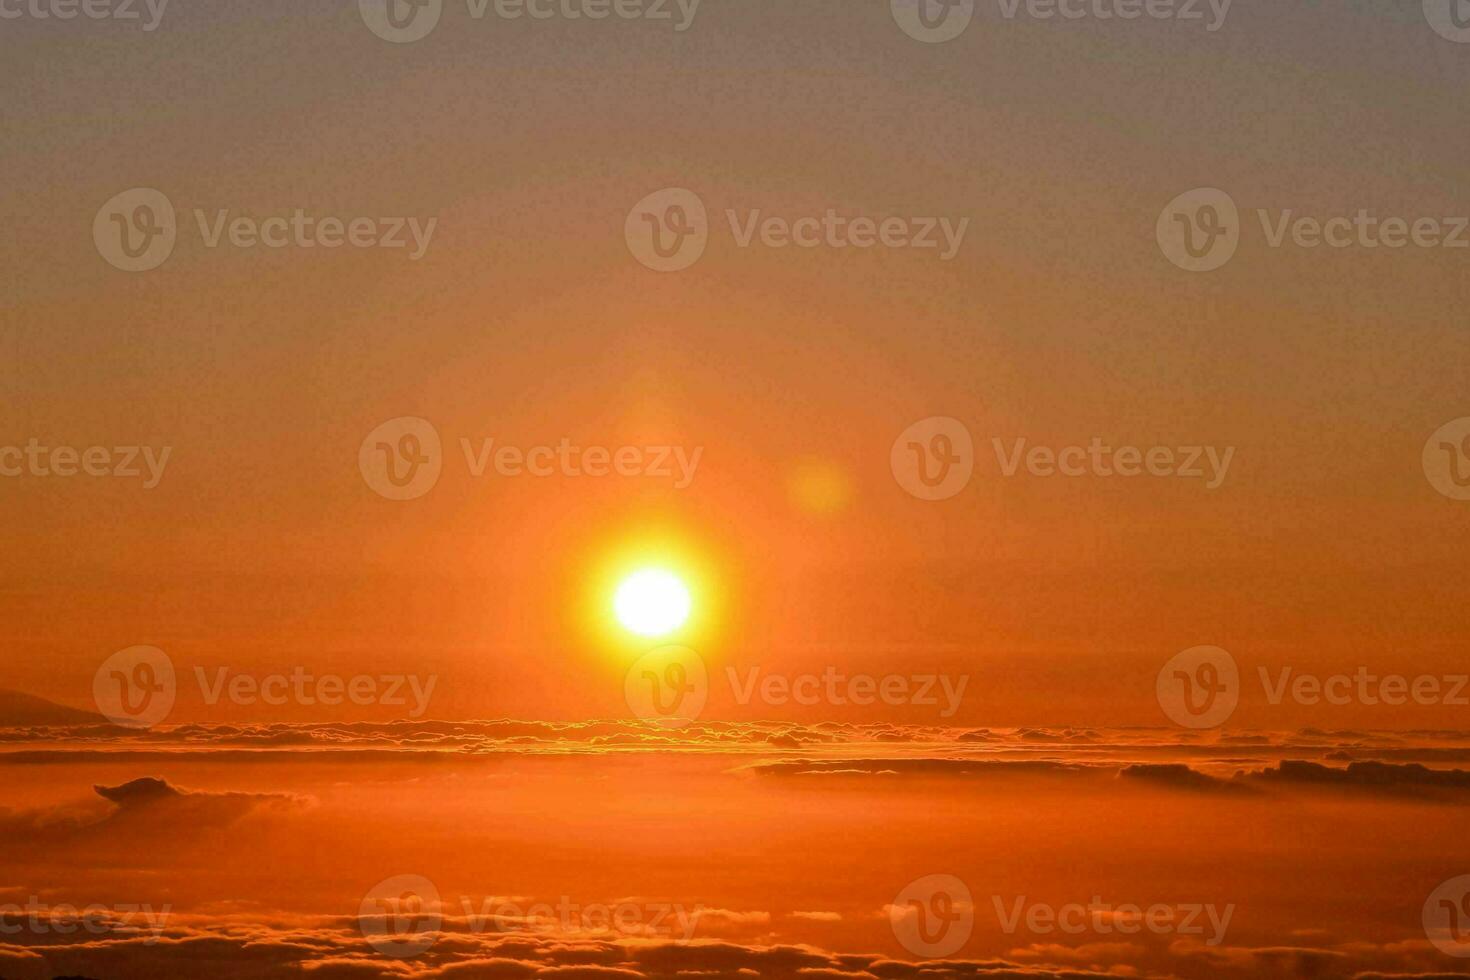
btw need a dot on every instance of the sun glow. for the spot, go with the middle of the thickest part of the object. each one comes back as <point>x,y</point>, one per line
<point>651,602</point>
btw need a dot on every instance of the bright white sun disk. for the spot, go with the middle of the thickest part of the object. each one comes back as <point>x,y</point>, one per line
<point>651,602</point>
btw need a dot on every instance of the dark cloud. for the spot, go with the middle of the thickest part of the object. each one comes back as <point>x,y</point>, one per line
<point>337,952</point>
<point>1175,775</point>
<point>1407,779</point>
<point>334,950</point>
<point>148,804</point>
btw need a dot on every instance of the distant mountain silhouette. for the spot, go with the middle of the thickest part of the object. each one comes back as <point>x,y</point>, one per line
<point>22,710</point>
<point>143,790</point>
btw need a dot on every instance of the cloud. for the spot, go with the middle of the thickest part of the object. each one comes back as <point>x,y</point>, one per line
<point>148,805</point>
<point>1407,779</point>
<point>1176,775</point>
<point>336,951</point>
<point>335,948</point>
<point>928,767</point>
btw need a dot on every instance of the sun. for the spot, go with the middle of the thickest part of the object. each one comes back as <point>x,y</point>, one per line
<point>651,602</point>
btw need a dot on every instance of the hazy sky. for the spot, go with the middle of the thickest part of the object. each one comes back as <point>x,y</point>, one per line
<point>528,321</point>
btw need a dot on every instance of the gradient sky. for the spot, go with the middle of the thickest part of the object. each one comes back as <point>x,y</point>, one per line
<point>529,321</point>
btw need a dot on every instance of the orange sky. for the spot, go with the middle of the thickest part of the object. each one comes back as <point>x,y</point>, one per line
<point>607,345</point>
<point>529,322</point>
